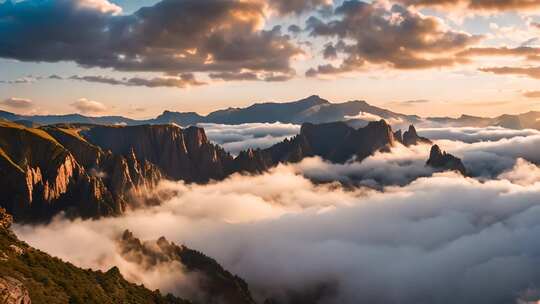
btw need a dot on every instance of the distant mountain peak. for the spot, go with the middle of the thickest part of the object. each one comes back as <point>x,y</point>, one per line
<point>439,159</point>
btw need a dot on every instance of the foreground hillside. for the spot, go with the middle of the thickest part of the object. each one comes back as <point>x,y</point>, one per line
<point>28,275</point>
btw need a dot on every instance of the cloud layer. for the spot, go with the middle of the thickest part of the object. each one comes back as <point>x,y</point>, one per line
<point>441,239</point>
<point>425,238</point>
<point>236,138</point>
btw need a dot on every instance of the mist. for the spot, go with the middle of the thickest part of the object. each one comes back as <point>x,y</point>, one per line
<point>236,138</point>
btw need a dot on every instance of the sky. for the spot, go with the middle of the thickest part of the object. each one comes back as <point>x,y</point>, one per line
<point>138,58</point>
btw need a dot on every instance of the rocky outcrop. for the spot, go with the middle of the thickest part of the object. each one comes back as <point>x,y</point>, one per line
<point>411,138</point>
<point>181,154</point>
<point>53,169</point>
<point>215,283</point>
<point>335,142</point>
<point>446,162</point>
<point>13,291</point>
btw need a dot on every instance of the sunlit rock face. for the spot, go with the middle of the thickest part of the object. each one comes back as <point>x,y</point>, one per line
<point>53,169</point>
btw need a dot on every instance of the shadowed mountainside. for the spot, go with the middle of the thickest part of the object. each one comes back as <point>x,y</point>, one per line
<point>28,275</point>
<point>444,161</point>
<point>218,285</point>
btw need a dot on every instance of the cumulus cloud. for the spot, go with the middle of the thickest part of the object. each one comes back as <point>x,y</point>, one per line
<point>395,36</point>
<point>236,138</point>
<point>181,81</point>
<point>87,106</point>
<point>18,103</point>
<point>444,238</point>
<point>172,36</point>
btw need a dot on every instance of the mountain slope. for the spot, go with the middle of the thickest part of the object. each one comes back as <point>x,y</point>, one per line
<point>27,274</point>
<point>312,109</point>
<point>217,284</point>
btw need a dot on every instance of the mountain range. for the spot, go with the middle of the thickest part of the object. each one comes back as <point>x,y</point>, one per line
<point>98,170</point>
<point>313,109</point>
<point>92,171</point>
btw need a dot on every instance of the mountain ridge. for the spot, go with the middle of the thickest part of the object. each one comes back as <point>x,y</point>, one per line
<point>105,170</point>
<point>313,109</point>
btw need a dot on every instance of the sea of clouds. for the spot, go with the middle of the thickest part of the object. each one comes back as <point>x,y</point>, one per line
<point>385,230</point>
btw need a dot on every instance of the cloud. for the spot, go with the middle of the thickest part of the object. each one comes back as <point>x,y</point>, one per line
<point>297,6</point>
<point>400,167</point>
<point>22,80</point>
<point>444,238</point>
<point>530,53</point>
<point>532,94</point>
<point>490,5</point>
<point>87,106</point>
<point>396,36</point>
<point>236,138</point>
<point>173,37</point>
<point>181,81</point>
<point>472,134</point>
<point>245,76</point>
<point>532,72</point>
<point>413,102</point>
<point>18,103</point>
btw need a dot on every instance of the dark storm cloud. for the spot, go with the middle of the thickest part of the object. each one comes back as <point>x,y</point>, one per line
<point>181,81</point>
<point>172,36</point>
<point>395,36</point>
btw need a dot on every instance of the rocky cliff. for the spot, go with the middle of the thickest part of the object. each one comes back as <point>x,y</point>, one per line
<point>446,162</point>
<point>181,154</point>
<point>53,169</point>
<point>411,138</point>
